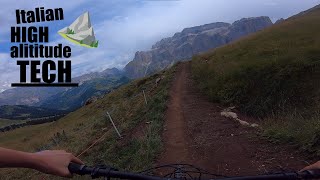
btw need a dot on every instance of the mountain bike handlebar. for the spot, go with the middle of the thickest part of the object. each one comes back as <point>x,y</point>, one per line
<point>110,172</point>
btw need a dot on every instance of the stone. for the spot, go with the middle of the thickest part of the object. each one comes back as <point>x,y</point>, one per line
<point>244,123</point>
<point>91,100</point>
<point>229,115</point>
<point>157,81</point>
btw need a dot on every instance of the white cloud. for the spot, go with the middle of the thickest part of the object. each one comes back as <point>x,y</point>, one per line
<point>124,27</point>
<point>141,26</point>
<point>9,71</point>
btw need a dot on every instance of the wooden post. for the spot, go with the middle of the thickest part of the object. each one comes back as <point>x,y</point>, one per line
<point>145,99</point>
<point>114,125</point>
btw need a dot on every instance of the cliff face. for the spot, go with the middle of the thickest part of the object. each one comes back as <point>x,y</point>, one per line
<point>190,41</point>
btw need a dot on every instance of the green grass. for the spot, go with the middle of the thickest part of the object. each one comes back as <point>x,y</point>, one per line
<point>273,74</point>
<point>294,129</point>
<point>73,41</point>
<point>140,124</point>
<point>70,31</point>
<point>95,44</point>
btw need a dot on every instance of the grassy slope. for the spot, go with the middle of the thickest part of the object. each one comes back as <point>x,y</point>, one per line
<point>275,75</point>
<point>126,105</point>
<point>73,41</point>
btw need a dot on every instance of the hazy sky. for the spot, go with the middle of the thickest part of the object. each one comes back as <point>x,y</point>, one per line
<point>126,26</point>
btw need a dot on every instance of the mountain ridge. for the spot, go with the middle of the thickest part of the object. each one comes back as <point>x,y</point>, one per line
<point>33,96</point>
<point>190,41</point>
<point>143,123</point>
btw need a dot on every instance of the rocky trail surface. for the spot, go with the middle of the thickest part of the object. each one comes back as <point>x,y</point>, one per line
<point>196,133</point>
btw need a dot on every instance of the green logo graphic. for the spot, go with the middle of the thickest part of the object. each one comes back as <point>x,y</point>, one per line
<point>80,32</point>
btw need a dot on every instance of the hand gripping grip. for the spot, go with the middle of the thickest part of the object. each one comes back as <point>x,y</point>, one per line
<point>310,174</point>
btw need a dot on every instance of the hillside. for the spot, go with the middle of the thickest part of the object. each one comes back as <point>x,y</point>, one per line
<point>21,112</point>
<point>274,75</point>
<point>269,79</point>
<point>27,95</point>
<point>140,124</point>
<point>191,41</point>
<point>74,98</point>
<point>36,96</point>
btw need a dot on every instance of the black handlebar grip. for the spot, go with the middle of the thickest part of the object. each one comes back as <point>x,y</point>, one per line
<point>76,168</point>
<point>311,174</point>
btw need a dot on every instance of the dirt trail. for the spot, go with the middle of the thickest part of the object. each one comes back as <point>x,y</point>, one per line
<point>197,134</point>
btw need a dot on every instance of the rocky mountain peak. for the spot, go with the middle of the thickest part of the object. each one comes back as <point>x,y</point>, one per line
<point>261,19</point>
<point>252,24</point>
<point>279,21</point>
<point>199,29</point>
<point>183,45</point>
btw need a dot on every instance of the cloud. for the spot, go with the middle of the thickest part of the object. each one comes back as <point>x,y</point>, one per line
<point>9,71</point>
<point>138,27</point>
<point>124,27</point>
<point>8,16</point>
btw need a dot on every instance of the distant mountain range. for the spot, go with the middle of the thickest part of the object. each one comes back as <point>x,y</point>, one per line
<point>191,41</point>
<point>182,46</point>
<point>112,72</point>
<point>92,84</point>
<point>22,112</point>
<point>27,95</point>
<point>74,98</point>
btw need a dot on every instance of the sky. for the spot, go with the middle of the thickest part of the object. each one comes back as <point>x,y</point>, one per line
<point>126,26</point>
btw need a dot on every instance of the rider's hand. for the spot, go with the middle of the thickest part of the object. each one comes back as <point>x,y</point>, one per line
<point>312,166</point>
<point>54,162</point>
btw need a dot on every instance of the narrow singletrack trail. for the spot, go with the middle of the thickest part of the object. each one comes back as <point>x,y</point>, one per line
<point>196,133</point>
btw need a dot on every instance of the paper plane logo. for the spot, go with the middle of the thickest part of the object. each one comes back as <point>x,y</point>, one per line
<point>80,32</point>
